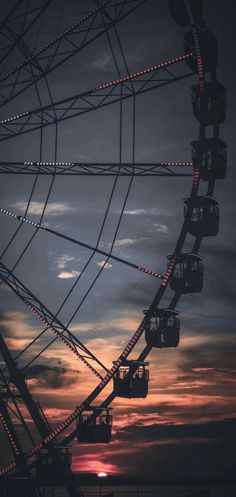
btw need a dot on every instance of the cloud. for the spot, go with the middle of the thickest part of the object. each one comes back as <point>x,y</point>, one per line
<point>36,208</point>
<point>16,343</point>
<point>50,376</point>
<point>125,242</point>
<point>166,451</point>
<point>104,63</point>
<point>62,260</point>
<point>123,323</point>
<point>65,275</point>
<point>150,212</point>
<point>136,212</point>
<point>94,463</point>
<point>108,265</point>
<point>55,414</point>
<point>162,228</point>
<point>217,353</point>
<point>178,451</point>
<point>61,263</point>
<point>212,429</point>
<point>16,329</point>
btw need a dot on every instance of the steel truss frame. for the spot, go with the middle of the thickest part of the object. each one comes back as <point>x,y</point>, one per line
<point>79,35</point>
<point>106,94</point>
<point>97,169</point>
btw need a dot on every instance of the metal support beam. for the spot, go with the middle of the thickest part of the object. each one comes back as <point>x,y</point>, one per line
<point>18,378</point>
<point>10,38</point>
<point>49,320</point>
<point>170,169</point>
<point>103,95</point>
<point>63,47</point>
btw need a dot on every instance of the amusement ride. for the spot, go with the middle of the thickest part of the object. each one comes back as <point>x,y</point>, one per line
<point>47,464</point>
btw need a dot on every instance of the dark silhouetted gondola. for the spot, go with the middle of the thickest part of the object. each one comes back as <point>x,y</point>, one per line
<point>94,425</point>
<point>179,14</point>
<point>208,49</point>
<point>131,380</point>
<point>210,155</point>
<point>187,276</point>
<point>53,466</point>
<point>163,328</point>
<point>209,108</point>
<point>204,219</point>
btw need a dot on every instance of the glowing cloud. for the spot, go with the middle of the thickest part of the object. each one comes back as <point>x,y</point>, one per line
<point>107,265</point>
<point>36,208</point>
<point>65,275</point>
<point>63,260</point>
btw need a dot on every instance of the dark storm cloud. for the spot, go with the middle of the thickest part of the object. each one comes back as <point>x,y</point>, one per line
<point>3,329</point>
<point>209,355</point>
<point>206,449</point>
<point>52,377</point>
<point>213,430</point>
<point>221,273</point>
<point>203,373</point>
<point>189,459</point>
<point>192,406</point>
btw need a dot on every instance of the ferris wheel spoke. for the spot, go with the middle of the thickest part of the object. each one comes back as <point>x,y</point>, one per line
<point>90,258</point>
<point>82,244</point>
<point>97,169</point>
<point>51,321</point>
<point>29,18</point>
<point>64,46</point>
<point>96,98</point>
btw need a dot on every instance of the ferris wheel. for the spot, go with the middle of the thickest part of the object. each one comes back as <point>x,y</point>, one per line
<point>46,462</point>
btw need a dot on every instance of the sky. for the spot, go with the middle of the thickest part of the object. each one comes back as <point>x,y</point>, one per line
<point>186,425</point>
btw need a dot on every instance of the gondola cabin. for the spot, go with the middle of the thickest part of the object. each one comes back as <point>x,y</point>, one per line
<point>131,380</point>
<point>210,107</point>
<point>204,220</point>
<point>210,155</point>
<point>163,329</point>
<point>179,13</point>
<point>53,466</point>
<point>208,49</point>
<point>187,276</point>
<point>94,426</point>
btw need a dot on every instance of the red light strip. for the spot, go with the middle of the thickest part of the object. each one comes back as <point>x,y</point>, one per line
<point>151,273</point>
<point>196,179</point>
<point>9,435</point>
<point>199,61</point>
<point>7,468</point>
<point>116,82</point>
<point>90,247</point>
<point>177,164</point>
<point>148,70</point>
<point>169,271</point>
<point>61,337</point>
